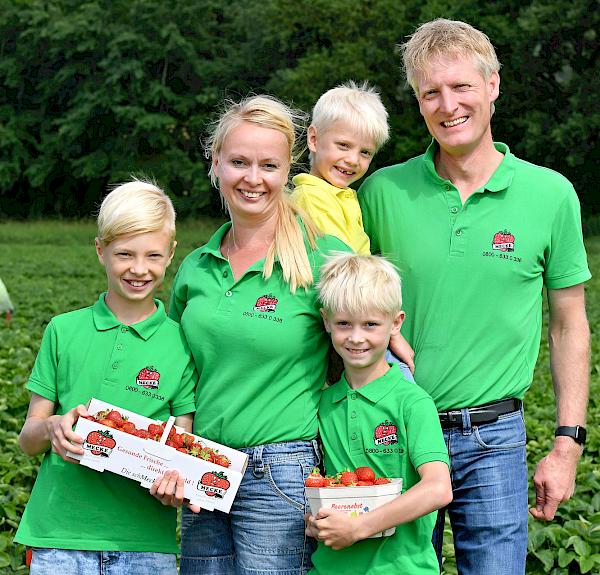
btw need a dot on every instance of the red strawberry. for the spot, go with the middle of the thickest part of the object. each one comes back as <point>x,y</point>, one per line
<point>315,479</point>
<point>116,417</point>
<point>381,481</point>
<point>142,433</point>
<point>188,439</point>
<point>365,474</point>
<point>222,460</point>
<point>177,439</point>
<point>364,483</point>
<point>155,430</point>
<point>348,478</point>
<point>183,450</point>
<point>108,423</point>
<point>330,481</point>
<point>129,427</point>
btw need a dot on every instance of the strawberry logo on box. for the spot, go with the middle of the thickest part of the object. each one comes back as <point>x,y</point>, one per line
<point>100,443</point>
<point>266,303</point>
<point>386,433</point>
<point>214,484</point>
<point>148,377</point>
<point>503,241</point>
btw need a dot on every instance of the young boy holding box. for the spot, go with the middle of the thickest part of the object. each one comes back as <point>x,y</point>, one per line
<point>79,520</point>
<point>362,308</point>
<point>348,126</point>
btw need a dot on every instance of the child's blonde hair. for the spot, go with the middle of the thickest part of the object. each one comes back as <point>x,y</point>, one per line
<point>356,284</point>
<point>447,38</point>
<point>288,244</point>
<point>135,207</point>
<point>358,105</point>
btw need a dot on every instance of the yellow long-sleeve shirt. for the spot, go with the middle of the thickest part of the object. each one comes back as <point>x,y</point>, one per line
<point>335,211</point>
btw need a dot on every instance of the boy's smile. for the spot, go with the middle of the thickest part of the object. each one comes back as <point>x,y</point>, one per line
<point>340,156</point>
<point>135,267</point>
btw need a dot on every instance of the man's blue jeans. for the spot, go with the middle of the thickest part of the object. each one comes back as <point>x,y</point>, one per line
<point>489,511</point>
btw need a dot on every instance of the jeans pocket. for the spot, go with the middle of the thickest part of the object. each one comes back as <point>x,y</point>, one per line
<point>506,433</point>
<point>287,481</point>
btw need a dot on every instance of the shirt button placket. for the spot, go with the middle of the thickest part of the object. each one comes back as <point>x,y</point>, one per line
<point>354,435</point>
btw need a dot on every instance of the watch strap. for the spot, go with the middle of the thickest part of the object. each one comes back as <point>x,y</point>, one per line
<point>577,432</point>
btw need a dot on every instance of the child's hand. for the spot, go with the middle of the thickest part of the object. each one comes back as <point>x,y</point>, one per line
<point>168,489</point>
<point>61,435</point>
<point>337,530</point>
<point>403,351</point>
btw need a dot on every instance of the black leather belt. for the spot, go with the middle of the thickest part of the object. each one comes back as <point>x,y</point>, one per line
<point>481,414</point>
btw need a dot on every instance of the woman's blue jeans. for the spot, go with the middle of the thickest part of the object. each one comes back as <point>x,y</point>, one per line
<point>264,532</point>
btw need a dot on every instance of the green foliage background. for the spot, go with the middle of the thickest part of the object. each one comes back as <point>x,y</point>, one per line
<point>51,267</point>
<point>94,90</point>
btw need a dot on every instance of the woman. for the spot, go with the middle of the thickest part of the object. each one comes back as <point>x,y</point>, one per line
<point>248,307</point>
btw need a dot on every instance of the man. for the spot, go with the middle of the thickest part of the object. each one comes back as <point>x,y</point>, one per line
<point>476,233</point>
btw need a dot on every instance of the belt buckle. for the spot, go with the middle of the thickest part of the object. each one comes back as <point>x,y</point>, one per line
<point>454,418</point>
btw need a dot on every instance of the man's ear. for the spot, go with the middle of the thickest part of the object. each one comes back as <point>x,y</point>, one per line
<point>494,86</point>
<point>325,320</point>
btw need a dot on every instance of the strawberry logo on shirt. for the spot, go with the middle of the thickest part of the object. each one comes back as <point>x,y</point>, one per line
<point>503,241</point>
<point>100,443</point>
<point>148,377</point>
<point>214,484</point>
<point>266,303</point>
<point>386,433</point>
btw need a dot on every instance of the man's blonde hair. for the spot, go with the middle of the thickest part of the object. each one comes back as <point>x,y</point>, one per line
<point>358,105</point>
<point>135,207</point>
<point>288,246</point>
<point>447,38</point>
<point>356,284</point>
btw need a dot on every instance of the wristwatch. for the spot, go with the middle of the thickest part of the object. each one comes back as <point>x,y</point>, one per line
<point>577,432</point>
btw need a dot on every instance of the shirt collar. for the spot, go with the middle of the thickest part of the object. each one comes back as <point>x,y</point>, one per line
<point>374,391</point>
<point>105,319</point>
<point>213,245</point>
<point>501,178</point>
<point>323,185</point>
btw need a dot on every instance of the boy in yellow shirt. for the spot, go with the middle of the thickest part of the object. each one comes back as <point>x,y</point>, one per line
<point>349,125</point>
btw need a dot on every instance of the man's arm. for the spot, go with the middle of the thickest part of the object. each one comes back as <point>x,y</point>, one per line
<point>569,342</point>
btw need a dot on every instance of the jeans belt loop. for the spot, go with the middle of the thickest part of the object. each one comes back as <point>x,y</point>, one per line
<point>258,465</point>
<point>466,421</point>
<point>317,450</point>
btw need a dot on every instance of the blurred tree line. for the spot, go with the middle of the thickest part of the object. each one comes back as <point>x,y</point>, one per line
<point>93,91</point>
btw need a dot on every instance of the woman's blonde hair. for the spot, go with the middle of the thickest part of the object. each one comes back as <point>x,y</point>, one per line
<point>358,284</point>
<point>135,207</point>
<point>442,37</point>
<point>288,245</point>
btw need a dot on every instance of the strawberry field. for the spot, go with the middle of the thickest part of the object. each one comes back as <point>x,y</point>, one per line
<point>51,267</point>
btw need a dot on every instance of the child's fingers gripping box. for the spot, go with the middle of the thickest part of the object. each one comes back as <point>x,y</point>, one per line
<point>354,500</point>
<point>143,449</point>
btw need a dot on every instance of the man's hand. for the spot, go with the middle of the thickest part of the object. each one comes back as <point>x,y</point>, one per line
<point>337,530</point>
<point>554,478</point>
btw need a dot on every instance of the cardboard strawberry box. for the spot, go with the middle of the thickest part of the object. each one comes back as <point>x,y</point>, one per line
<point>354,500</point>
<point>142,459</point>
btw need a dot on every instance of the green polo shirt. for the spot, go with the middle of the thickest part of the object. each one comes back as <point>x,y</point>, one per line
<point>391,425</point>
<point>89,353</point>
<point>473,274</point>
<point>260,351</point>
